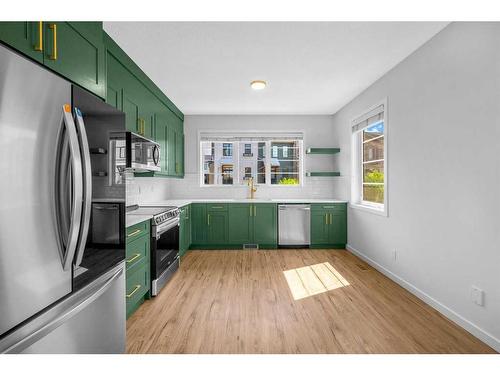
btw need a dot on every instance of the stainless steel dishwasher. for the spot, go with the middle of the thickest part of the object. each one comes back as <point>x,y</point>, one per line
<point>294,225</point>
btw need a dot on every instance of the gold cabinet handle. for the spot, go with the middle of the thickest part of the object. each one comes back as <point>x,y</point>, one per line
<point>254,210</point>
<point>217,207</point>
<point>136,288</point>
<point>251,210</point>
<point>135,232</point>
<point>133,258</point>
<point>53,27</point>
<point>331,218</point>
<point>208,219</point>
<point>326,218</point>
<point>39,45</point>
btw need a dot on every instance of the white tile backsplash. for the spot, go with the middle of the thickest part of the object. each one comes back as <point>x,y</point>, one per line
<point>189,187</point>
<point>143,190</point>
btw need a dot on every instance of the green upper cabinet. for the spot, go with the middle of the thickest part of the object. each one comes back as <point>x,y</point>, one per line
<point>26,37</point>
<point>73,49</point>
<point>76,51</point>
<point>329,225</point>
<point>148,111</point>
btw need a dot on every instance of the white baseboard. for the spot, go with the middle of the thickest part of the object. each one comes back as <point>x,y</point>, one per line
<point>450,314</point>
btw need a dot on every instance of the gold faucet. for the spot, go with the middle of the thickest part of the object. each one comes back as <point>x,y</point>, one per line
<point>252,187</point>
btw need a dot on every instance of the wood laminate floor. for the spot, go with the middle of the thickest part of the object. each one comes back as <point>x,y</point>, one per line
<point>232,301</point>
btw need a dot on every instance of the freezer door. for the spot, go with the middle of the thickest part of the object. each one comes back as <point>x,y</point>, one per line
<point>91,320</point>
<point>31,269</point>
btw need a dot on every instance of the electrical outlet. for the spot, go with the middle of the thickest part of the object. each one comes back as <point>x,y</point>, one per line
<point>395,255</point>
<point>477,296</point>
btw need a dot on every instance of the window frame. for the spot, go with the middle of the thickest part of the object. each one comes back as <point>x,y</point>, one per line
<point>357,163</point>
<point>236,159</point>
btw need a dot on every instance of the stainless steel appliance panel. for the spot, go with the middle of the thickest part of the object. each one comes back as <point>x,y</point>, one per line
<point>106,223</point>
<point>32,275</point>
<point>91,320</point>
<point>294,225</point>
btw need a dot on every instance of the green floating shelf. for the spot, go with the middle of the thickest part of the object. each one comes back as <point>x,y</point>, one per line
<point>322,151</point>
<point>322,174</point>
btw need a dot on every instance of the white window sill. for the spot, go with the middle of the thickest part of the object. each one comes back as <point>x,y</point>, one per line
<point>370,209</point>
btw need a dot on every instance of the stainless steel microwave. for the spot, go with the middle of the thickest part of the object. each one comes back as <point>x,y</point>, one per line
<point>130,151</point>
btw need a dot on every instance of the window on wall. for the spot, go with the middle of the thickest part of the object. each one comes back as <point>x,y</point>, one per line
<point>232,160</point>
<point>369,155</point>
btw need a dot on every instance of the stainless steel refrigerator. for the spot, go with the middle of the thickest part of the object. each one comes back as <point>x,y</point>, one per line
<point>59,291</point>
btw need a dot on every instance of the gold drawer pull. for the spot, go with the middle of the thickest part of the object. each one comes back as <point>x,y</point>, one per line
<point>133,258</point>
<point>217,207</point>
<point>137,287</point>
<point>135,232</point>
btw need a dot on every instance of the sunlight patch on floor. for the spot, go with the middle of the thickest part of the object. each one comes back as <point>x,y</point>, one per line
<point>310,280</point>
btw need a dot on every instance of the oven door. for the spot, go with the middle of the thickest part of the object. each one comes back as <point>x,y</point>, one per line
<point>165,247</point>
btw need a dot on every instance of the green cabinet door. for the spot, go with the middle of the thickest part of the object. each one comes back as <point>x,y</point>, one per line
<point>131,109</point>
<point>170,152</point>
<point>76,51</point>
<point>320,228</point>
<point>26,37</point>
<point>265,224</point>
<point>217,227</point>
<point>240,224</point>
<point>199,223</point>
<point>338,227</point>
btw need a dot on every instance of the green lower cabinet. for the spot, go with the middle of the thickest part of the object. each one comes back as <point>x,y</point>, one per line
<point>217,227</point>
<point>137,266</point>
<point>230,226</point>
<point>329,225</point>
<point>185,230</point>
<point>265,224</point>
<point>240,227</point>
<point>199,223</point>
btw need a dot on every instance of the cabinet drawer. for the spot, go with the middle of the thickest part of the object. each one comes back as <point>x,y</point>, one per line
<point>137,250</point>
<point>329,206</point>
<point>217,207</point>
<point>137,285</point>
<point>137,230</point>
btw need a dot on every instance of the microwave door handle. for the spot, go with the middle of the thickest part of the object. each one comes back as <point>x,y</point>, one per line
<point>77,191</point>
<point>87,187</point>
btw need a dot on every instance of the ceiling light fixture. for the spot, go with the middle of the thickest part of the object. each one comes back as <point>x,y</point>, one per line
<point>258,85</point>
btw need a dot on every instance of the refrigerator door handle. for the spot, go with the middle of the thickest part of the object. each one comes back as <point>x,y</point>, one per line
<point>77,190</point>
<point>87,187</point>
<point>69,308</point>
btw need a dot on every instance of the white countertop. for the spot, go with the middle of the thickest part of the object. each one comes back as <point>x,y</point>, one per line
<point>133,219</point>
<point>184,202</point>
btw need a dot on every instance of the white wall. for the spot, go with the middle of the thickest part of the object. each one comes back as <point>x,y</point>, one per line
<point>318,132</point>
<point>444,174</point>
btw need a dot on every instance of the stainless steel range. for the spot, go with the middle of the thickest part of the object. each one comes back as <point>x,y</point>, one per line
<point>164,243</point>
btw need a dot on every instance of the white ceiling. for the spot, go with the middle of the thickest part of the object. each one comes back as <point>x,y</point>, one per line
<point>310,67</point>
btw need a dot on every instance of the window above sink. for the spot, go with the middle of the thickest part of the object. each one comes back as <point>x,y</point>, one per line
<point>229,159</point>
